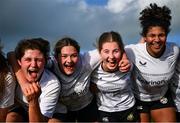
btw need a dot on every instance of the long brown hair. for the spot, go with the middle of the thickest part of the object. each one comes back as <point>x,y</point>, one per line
<point>3,73</point>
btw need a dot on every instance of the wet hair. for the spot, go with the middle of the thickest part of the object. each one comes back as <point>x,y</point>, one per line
<point>65,42</point>
<point>155,16</point>
<point>3,72</point>
<point>34,44</point>
<point>110,37</point>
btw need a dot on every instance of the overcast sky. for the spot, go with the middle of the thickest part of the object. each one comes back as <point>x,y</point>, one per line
<point>83,20</point>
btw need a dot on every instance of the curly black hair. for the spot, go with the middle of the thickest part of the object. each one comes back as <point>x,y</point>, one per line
<point>155,16</point>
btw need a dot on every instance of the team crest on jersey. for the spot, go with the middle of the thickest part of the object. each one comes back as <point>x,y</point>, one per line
<point>164,100</point>
<point>105,119</point>
<point>130,117</point>
<point>142,63</point>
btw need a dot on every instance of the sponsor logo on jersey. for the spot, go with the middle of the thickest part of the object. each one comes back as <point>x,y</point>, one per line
<point>164,100</point>
<point>152,83</point>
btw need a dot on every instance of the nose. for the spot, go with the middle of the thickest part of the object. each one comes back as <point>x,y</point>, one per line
<point>34,63</point>
<point>69,59</point>
<point>157,38</point>
<point>111,55</point>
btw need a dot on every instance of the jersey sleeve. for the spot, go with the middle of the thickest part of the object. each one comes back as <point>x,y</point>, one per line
<point>8,97</point>
<point>129,52</point>
<point>50,96</point>
<point>92,58</point>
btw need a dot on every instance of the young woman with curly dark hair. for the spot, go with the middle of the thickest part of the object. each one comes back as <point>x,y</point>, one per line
<point>154,62</point>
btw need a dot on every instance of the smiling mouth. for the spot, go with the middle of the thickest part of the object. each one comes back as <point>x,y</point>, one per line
<point>69,66</point>
<point>156,45</point>
<point>112,63</point>
<point>33,72</point>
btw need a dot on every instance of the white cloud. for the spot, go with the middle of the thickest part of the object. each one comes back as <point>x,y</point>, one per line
<point>53,19</point>
<point>117,6</point>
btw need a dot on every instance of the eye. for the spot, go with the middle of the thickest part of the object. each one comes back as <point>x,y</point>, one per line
<point>27,59</point>
<point>162,35</point>
<point>39,59</point>
<point>64,56</point>
<point>74,55</point>
<point>151,35</point>
<point>106,51</point>
<point>116,51</point>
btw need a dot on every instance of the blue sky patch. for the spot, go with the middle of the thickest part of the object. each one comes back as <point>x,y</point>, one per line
<point>96,2</point>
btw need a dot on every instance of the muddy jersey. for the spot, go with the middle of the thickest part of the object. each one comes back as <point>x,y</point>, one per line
<point>115,92</point>
<point>175,86</point>
<point>75,93</point>
<point>152,75</point>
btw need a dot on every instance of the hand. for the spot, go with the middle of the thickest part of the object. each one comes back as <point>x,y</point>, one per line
<point>25,87</point>
<point>124,65</point>
<point>33,93</point>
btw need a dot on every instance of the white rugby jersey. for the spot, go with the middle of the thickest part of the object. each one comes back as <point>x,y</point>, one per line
<point>175,86</point>
<point>75,93</point>
<point>50,89</point>
<point>151,74</point>
<point>115,92</point>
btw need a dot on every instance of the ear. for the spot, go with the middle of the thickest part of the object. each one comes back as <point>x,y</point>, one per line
<point>145,39</point>
<point>19,62</point>
<point>142,40</point>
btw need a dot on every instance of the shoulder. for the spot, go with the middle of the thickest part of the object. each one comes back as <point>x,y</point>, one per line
<point>89,54</point>
<point>135,47</point>
<point>49,78</point>
<point>172,48</point>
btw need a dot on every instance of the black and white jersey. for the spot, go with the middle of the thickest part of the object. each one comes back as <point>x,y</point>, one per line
<point>115,92</point>
<point>152,75</point>
<point>75,93</point>
<point>175,86</point>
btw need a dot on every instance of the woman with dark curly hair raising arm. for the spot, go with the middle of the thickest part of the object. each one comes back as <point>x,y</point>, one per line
<point>154,64</point>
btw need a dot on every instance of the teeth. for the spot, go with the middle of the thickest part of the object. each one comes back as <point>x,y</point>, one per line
<point>112,62</point>
<point>33,69</point>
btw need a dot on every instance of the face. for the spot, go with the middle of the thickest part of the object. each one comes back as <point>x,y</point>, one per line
<point>156,41</point>
<point>111,55</point>
<point>32,64</point>
<point>68,60</point>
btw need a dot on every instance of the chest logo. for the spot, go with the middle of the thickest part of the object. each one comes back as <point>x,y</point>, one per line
<point>142,63</point>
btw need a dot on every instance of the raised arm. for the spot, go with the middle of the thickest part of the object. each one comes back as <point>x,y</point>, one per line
<point>24,84</point>
<point>35,114</point>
